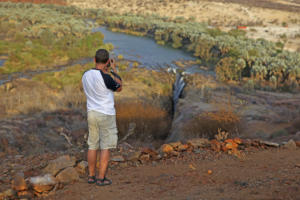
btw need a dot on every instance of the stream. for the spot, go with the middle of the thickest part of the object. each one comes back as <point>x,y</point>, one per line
<point>143,50</point>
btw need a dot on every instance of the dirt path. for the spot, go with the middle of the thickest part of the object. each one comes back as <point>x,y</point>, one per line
<point>269,174</point>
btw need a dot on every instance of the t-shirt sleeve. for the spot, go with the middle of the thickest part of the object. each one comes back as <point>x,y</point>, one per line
<point>110,82</point>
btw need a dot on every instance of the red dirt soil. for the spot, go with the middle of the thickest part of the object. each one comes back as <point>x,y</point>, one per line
<point>268,174</point>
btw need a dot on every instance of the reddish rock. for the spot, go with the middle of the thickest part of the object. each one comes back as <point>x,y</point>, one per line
<point>19,183</point>
<point>68,175</point>
<point>42,184</point>
<point>237,140</point>
<point>25,195</point>
<point>290,145</point>
<point>59,164</point>
<point>82,167</point>
<point>175,144</point>
<point>199,142</point>
<point>166,148</point>
<point>183,147</point>
<point>215,145</point>
<point>297,143</point>
<point>133,156</point>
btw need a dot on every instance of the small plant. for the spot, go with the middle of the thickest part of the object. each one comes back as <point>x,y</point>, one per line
<point>222,135</point>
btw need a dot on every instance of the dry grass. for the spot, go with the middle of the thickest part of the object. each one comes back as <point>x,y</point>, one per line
<point>146,120</point>
<point>28,97</point>
<point>207,124</point>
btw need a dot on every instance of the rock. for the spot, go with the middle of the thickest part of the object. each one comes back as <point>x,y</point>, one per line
<point>117,158</point>
<point>183,147</point>
<point>271,144</point>
<point>68,175</point>
<point>144,157</point>
<point>175,144</point>
<point>42,184</point>
<point>8,194</point>
<point>174,153</point>
<point>149,151</point>
<point>82,167</point>
<point>199,142</point>
<point>133,156</point>
<point>298,143</point>
<point>215,145</point>
<point>59,164</point>
<point>230,144</point>
<point>237,140</point>
<point>25,195</point>
<point>290,145</point>
<point>166,148</point>
<point>19,183</point>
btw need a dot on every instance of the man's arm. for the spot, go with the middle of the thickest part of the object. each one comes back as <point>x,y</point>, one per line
<point>117,78</point>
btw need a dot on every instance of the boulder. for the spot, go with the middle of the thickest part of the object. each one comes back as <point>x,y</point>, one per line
<point>59,164</point>
<point>199,142</point>
<point>271,144</point>
<point>82,167</point>
<point>68,175</point>
<point>175,144</point>
<point>290,145</point>
<point>182,147</point>
<point>133,156</point>
<point>166,148</point>
<point>42,184</point>
<point>215,145</point>
<point>117,158</point>
<point>298,143</point>
<point>8,194</point>
<point>25,195</point>
<point>19,183</point>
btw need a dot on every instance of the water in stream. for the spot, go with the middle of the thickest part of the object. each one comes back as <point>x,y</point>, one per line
<point>143,50</point>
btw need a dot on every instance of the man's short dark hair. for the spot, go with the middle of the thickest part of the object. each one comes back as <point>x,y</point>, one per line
<point>101,56</point>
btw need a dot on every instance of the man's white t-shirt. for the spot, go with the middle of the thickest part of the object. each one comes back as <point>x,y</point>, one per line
<point>98,88</point>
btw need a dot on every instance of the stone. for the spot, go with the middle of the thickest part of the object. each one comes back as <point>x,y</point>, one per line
<point>183,147</point>
<point>175,144</point>
<point>19,183</point>
<point>166,148</point>
<point>68,175</point>
<point>290,145</point>
<point>59,164</point>
<point>215,145</point>
<point>298,143</point>
<point>82,167</point>
<point>42,184</point>
<point>174,153</point>
<point>117,158</point>
<point>145,157</point>
<point>238,140</point>
<point>231,145</point>
<point>133,156</point>
<point>8,194</point>
<point>25,195</point>
<point>199,142</point>
<point>271,144</point>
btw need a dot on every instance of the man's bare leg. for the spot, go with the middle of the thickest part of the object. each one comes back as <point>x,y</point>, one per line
<point>104,159</point>
<point>92,158</point>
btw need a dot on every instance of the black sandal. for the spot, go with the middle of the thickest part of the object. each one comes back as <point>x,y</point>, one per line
<point>103,182</point>
<point>91,179</point>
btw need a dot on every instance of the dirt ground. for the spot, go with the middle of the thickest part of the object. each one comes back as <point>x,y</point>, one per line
<point>268,174</point>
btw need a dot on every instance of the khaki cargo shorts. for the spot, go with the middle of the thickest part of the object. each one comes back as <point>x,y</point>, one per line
<point>102,131</point>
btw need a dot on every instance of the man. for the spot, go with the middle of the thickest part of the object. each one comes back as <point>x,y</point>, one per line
<point>98,87</point>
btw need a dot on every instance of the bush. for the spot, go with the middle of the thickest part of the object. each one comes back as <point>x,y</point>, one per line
<point>208,123</point>
<point>149,121</point>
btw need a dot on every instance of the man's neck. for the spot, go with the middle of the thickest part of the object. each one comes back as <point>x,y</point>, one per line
<point>102,68</point>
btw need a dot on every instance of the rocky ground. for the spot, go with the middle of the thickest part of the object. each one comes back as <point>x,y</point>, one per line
<point>197,169</point>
